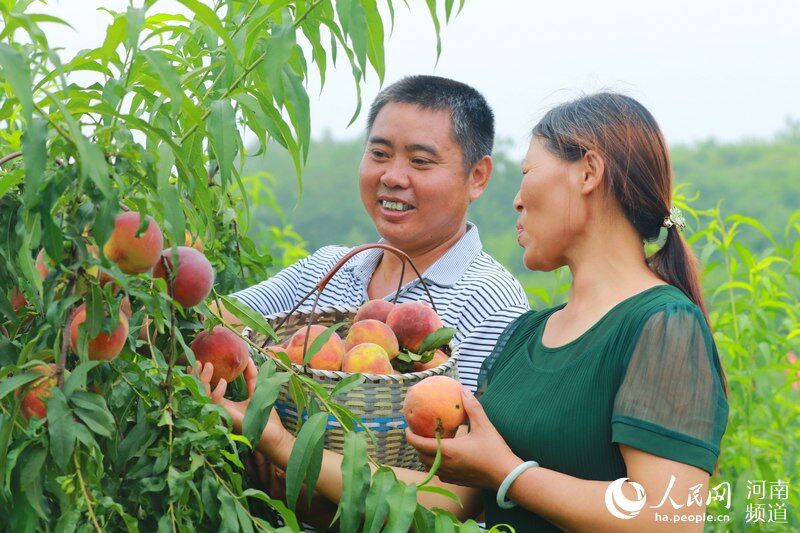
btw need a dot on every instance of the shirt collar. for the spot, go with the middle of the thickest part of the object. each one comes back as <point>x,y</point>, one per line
<point>445,272</point>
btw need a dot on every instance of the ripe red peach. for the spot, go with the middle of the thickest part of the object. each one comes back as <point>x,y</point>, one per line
<point>375,331</point>
<point>412,322</point>
<point>434,404</point>
<point>438,358</point>
<point>105,346</point>
<point>34,403</point>
<point>125,307</point>
<point>329,357</point>
<point>374,309</point>
<point>133,254</point>
<point>193,278</point>
<point>43,264</point>
<point>223,348</point>
<point>18,300</point>
<point>367,358</point>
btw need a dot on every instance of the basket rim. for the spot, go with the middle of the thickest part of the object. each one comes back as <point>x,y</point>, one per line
<point>452,360</point>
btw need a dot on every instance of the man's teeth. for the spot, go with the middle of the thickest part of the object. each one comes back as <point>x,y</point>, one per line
<point>395,206</point>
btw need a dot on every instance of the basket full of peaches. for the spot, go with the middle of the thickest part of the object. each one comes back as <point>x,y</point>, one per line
<point>369,357</point>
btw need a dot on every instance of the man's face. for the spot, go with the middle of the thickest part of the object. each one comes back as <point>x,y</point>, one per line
<point>412,178</point>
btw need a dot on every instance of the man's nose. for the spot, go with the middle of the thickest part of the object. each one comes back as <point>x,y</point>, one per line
<point>395,176</point>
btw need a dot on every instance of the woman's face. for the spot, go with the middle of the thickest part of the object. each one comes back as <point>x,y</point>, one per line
<point>552,210</point>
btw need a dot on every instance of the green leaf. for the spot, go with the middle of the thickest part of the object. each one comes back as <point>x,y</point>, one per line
<point>92,164</point>
<point>377,504</point>
<point>34,153</point>
<point>30,476</point>
<point>437,339</point>
<point>16,71</point>
<point>448,9</point>
<point>268,386</point>
<point>320,341</point>
<point>61,426</point>
<point>170,197</point>
<point>77,378</point>
<point>115,34</point>
<point>222,135</point>
<point>441,492</point>
<point>278,50</point>
<point>168,75</point>
<point>134,20</point>
<point>208,18</point>
<point>11,384</point>
<point>10,180</point>
<point>6,426</point>
<point>437,27</point>
<point>355,482</point>
<point>402,502</point>
<point>444,524</point>
<point>470,526</point>
<point>354,24</point>
<point>304,462</point>
<point>424,520</point>
<point>249,317</point>
<point>227,511</point>
<point>347,384</point>
<point>375,37</point>
<point>298,106</point>
<point>91,408</point>
<point>288,517</point>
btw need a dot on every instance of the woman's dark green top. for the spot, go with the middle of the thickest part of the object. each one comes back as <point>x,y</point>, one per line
<point>646,375</point>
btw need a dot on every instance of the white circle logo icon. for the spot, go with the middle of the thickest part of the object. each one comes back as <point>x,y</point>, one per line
<point>619,505</point>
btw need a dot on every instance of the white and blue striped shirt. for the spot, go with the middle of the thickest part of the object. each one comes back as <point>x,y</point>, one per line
<point>473,293</point>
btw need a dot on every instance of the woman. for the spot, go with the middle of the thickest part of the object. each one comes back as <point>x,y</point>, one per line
<point>623,381</point>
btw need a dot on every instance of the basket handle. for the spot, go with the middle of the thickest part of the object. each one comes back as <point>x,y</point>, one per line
<point>324,282</point>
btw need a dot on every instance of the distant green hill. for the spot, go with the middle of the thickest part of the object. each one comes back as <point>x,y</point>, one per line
<point>756,178</point>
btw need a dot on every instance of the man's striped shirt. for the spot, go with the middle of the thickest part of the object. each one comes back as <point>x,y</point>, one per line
<point>473,293</point>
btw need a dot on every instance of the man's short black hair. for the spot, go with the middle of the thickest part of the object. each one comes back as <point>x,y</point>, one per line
<point>471,117</point>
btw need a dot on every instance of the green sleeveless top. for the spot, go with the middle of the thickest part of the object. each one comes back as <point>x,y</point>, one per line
<point>647,375</point>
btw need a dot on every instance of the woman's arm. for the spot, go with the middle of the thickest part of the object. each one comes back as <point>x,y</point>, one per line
<point>571,503</point>
<point>576,504</point>
<point>277,443</point>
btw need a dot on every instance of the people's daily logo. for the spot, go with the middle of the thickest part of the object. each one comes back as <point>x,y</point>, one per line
<point>620,505</point>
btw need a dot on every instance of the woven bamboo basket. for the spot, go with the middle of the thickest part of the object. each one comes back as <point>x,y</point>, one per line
<point>377,402</point>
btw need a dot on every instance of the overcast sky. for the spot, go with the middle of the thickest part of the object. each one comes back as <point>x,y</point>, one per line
<point>712,68</point>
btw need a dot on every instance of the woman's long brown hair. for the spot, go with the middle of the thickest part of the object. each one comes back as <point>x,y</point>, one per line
<point>638,172</point>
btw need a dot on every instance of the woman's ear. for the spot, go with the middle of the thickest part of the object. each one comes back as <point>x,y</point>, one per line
<point>593,172</point>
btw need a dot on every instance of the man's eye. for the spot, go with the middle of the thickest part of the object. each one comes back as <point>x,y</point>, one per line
<point>378,154</point>
<point>418,161</point>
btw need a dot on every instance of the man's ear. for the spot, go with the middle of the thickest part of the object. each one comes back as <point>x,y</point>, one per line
<point>479,177</point>
<point>593,172</point>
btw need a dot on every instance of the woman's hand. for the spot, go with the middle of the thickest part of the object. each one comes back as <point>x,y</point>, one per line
<point>273,433</point>
<point>480,459</point>
<point>235,409</point>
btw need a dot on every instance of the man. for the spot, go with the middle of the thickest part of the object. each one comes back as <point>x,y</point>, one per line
<point>427,157</point>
